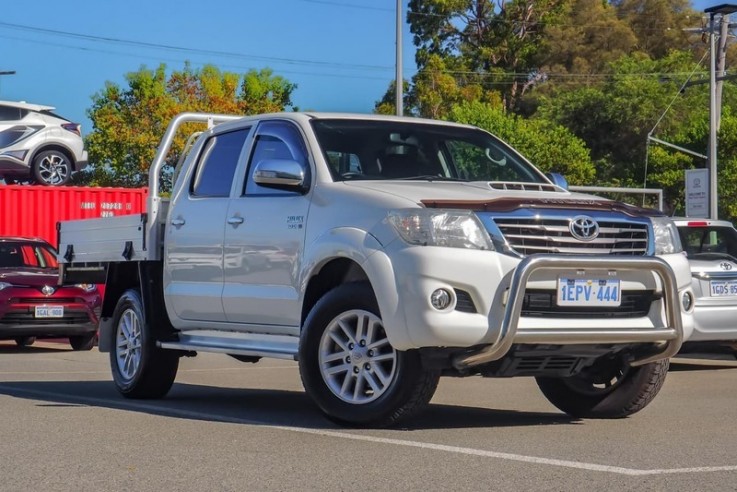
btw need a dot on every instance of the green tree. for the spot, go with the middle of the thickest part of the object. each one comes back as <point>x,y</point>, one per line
<point>587,37</point>
<point>128,123</point>
<point>551,147</point>
<point>659,24</point>
<point>495,45</point>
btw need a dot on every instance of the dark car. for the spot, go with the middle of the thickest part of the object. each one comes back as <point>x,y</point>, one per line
<point>32,305</point>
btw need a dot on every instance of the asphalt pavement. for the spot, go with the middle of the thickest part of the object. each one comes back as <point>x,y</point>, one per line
<point>235,426</point>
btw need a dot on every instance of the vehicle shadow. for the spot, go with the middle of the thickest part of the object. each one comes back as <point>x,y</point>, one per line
<point>258,406</point>
<point>12,348</point>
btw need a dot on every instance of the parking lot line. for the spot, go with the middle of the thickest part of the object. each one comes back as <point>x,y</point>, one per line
<point>580,465</point>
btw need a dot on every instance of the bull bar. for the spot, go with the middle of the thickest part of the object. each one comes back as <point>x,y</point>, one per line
<point>671,335</point>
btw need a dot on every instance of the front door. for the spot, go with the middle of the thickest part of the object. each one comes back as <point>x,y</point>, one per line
<point>195,230</point>
<point>264,239</point>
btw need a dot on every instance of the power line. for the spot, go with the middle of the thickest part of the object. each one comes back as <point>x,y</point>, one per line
<point>160,46</point>
<point>194,62</point>
<point>348,5</point>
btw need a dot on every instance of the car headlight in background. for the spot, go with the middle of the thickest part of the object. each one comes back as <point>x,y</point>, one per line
<point>87,287</point>
<point>666,236</point>
<point>438,227</point>
<point>4,285</point>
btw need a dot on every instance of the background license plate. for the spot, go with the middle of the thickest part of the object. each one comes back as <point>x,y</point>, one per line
<point>588,292</point>
<point>723,287</point>
<point>49,312</point>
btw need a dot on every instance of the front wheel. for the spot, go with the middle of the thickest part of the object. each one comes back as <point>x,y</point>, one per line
<point>349,368</point>
<point>83,342</point>
<point>140,369</point>
<point>609,389</point>
<point>25,341</point>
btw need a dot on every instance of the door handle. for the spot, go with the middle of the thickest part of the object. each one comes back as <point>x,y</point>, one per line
<point>235,221</point>
<point>177,222</point>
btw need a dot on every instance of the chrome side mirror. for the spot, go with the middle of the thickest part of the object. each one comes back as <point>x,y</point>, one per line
<point>279,172</point>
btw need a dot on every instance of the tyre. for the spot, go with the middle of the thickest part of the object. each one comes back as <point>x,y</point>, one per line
<point>609,389</point>
<point>83,342</point>
<point>25,341</point>
<point>349,368</point>
<point>140,369</point>
<point>51,168</point>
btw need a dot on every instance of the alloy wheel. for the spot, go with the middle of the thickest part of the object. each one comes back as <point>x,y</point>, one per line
<point>128,344</point>
<point>356,360</point>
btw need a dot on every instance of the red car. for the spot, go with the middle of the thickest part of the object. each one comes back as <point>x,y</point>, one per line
<point>32,305</point>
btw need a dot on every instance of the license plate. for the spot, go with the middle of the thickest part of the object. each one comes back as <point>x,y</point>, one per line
<point>49,311</point>
<point>588,292</point>
<point>721,288</point>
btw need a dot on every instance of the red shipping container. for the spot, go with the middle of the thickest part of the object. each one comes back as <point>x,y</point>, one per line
<point>33,211</point>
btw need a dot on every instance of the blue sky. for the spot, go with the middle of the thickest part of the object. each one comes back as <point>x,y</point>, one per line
<point>340,53</point>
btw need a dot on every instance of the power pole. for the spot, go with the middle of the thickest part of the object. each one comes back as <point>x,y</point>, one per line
<point>721,62</point>
<point>399,81</point>
<point>715,103</point>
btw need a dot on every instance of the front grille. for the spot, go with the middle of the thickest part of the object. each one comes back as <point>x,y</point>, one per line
<point>541,303</point>
<point>529,235</point>
<point>45,300</point>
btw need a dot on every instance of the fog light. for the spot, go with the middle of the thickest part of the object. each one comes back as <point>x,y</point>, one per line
<point>687,301</point>
<point>440,299</point>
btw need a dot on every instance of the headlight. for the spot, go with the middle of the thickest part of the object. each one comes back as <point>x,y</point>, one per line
<point>4,285</point>
<point>87,287</point>
<point>666,236</point>
<point>437,227</point>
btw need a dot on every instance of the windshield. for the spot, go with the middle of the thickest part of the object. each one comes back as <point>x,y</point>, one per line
<point>17,254</point>
<point>375,149</point>
<point>711,242</point>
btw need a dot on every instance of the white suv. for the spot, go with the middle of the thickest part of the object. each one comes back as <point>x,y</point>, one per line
<point>711,246</point>
<point>37,145</point>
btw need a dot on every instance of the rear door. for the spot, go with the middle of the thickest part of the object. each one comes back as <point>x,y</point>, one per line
<point>194,236</point>
<point>264,238</point>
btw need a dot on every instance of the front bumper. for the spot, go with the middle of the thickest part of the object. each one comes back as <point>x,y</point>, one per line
<point>404,277</point>
<point>19,320</point>
<point>669,336</point>
<point>714,317</point>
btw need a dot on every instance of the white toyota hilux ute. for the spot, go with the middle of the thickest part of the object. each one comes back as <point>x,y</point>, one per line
<point>382,253</point>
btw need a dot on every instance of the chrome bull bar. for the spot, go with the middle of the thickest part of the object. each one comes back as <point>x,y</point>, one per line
<point>670,335</point>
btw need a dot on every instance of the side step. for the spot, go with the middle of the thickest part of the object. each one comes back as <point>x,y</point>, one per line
<point>249,344</point>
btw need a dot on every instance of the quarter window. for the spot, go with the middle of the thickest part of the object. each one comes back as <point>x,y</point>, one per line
<point>8,113</point>
<point>216,168</point>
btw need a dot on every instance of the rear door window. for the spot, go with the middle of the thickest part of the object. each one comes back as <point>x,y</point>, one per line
<point>217,164</point>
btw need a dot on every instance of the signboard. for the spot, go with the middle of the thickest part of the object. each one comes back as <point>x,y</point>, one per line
<point>697,193</point>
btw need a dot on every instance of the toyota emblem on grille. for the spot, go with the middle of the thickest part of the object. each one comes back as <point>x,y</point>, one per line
<point>584,228</point>
<point>725,265</point>
<point>48,290</point>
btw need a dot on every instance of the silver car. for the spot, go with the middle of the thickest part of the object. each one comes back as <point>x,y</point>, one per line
<point>37,145</point>
<point>711,247</point>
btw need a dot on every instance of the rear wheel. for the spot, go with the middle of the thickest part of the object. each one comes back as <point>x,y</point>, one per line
<point>51,168</point>
<point>350,369</point>
<point>25,341</point>
<point>83,342</point>
<point>140,369</point>
<point>609,389</point>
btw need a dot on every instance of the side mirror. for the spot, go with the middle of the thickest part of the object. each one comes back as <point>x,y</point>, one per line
<point>279,172</point>
<point>558,180</point>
